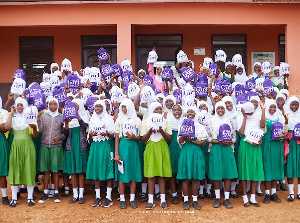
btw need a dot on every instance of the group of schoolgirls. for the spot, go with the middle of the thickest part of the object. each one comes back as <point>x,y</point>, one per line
<point>171,125</point>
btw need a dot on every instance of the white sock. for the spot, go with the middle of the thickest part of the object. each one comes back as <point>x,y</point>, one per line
<point>55,191</point>
<point>208,187</point>
<point>245,199</point>
<point>283,181</point>
<point>194,198</point>
<point>267,192</point>
<point>97,193</point>
<point>81,192</point>
<point>226,195</point>
<point>258,190</point>
<point>174,194</point>
<point>144,187</point>
<point>122,197</point>
<point>273,191</point>
<point>232,187</point>
<point>298,189</point>
<point>185,198</point>
<point>18,189</point>
<point>30,192</point>
<point>46,191</point>
<point>252,198</point>
<point>217,192</point>
<point>162,198</point>
<point>182,193</point>
<point>75,192</point>
<point>24,186</point>
<point>248,185</point>
<point>14,192</point>
<point>201,189</point>
<point>150,198</point>
<point>108,193</point>
<point>4,192</point>
<point>156,188</point>
<point>132,197</point>
<point>291,189</point>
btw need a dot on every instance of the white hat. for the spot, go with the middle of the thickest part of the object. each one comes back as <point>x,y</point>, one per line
<point>248,107</point>
<point>220,56</point>
<point>182,57</point>
<point>237,59</point>
<point>152,57</point>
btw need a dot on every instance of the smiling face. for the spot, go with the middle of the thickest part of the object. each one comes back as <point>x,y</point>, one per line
<point>158,110</point>
<point>169,103</point>
<point>294,106</point>
<point>203,107</point>
<point>190,114</point>
<point>141,74</point>
<point>228,68</point>
<point>220,110</point>
<point>240,70</point>
<point>20,107</point>
<point>272,109</point>
<point>124,109</point>
<point>276,72</point>
<point>229,105</point>
<point>177,111</point>
<point>158,70</point>
<point>98,109</point>
<point>53,106</point>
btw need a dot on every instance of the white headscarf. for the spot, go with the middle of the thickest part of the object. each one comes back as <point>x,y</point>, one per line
<point>169,97</point>
<point>254,75</point>
<point>228,63</point>
<point>158,77</point>
<point>241,78</point>
<point>253,121</point>
<point>257,111</point>
<point>141,70</point>
<point>293,116</point>
<point>277,79</point>
<point>18,121</point>
<point>175,122</point>
<point>131,112</point>
<point>54,65</point>
<point>55,113</point>
<point>81,111</point>
<point>217,121</point>
<point>232,115</point>
<point>285,91</point>
<point>275,116</point>
<point>160,95</point>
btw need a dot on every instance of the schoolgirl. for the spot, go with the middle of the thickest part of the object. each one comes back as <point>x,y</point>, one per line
<point>240,75</point>
<point>222,165</point>
<point>227,73</point>
<point>22,165</point>
<point>127,151</point>
<point>76,154</point>
<point>273,154</point>
<point>175,119</point>
<point>232,115</point>
<point>277,80</point>
<point>156,156</point>
<point>4,151</point>
<point>100,162</point>
<point>51,153</point>
<point>250,161</point>
<point>191,163</point>
<point>293,150</point>
<point>257,71</point>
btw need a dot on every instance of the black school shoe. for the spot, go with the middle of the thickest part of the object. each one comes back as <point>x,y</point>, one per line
<point>275,198</point>
<point>144,197</point>
<point>290,198</point>
<point>278,187</point>
<point>283,187</point>
<point>30,202</point>
<point>13,203</point>
<point>227,204</point>
<point>234,195</point>
<point>201,197</point>
<point>97,202</point>
<point>73,200</point>
<point>217,203</point>
<point>133,204</point>
<point>81,200</point>
<point>267,199</point>
<point>186,205</point>
<point>107,203</point>
<point>196,205</point>
<point>150,206</point>
<point>175,200</point>
<point>5,201</point>
<point>44,198</point>
<point>122,205</point>
<point>164,205</point>
<point>254,204</point>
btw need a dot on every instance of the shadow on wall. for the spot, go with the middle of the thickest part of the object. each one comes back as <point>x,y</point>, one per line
<point>4,90</point>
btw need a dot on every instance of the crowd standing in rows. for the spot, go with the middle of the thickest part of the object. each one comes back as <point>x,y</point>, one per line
<point>171,126</point>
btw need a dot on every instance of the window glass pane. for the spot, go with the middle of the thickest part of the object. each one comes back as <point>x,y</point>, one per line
<point>36,56</point>
<point>228,39</point>
<point>281,48</point>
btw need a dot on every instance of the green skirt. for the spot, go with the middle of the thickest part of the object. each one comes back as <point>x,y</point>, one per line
<point>191,164</point>
<point>22,167</point>
<point>236,147</point>
<point>4,155</point>
<point>129,153</point>
<point>174,152</point>
<point>157,161</point>
<point>51,159</point>
<point>100,163</point>
<point>293,160</point>
<point>75,161</point>
<point>222,163</point>
<point>250,163</point>
<point>206,156</point>
<point>273,158</point>
<point>142,147</point>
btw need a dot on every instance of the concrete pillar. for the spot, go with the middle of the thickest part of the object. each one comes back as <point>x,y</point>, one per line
<point>123,42</point>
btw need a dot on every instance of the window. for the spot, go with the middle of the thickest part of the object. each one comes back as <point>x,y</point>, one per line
<point>167,47</point>
<point>281,48</point>
<point>231,44</point>
<point>36,56</point>
<point>91,44</point>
